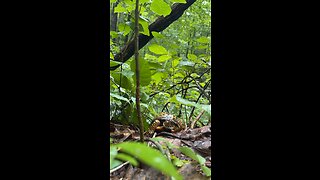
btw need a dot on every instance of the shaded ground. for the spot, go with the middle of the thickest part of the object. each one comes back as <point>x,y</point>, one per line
<point>198,139</point>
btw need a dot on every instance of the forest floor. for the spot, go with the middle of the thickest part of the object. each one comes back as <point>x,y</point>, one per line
<point>198,139</point>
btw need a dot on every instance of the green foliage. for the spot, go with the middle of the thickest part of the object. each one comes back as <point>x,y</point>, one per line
<point>160,7</point>
<point>149,156</point>
<point>190,153</point>
<point>175,69</point>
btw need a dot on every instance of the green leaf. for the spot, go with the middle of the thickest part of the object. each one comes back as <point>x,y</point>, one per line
<point>125,158</point>
<point>124,28</point>
<point>145,73</point>
<point>125,82</point>
<point>151,57</point>
<point>113,34</point>
<point>192,57</point>
<point>175,62</point>
<point>177,162</point>
<point>145,26</point>
<point>150,157</point>
<point>119,97</point>
<point>157,77</point>
<point>190,153</point>
<point>157,49</point>
<point>160,7</point>
<point>164,58</point>
<point>156,34</point>
<point>202,47</point>
<point>206,170</point>
<point>203,39</point>
<point>119,9</point>
<point>113,1</point>
<point>114,63</point>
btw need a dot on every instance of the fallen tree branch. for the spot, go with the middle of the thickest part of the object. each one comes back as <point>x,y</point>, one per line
<point>159,25</point>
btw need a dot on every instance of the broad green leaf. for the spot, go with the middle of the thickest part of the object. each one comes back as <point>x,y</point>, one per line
<point>125,158</point>
<point>119,97</point>
<point>143,1</point>
<point>157,49</point>
<point>145,26</point>
<point>124,28</point>
<point>176,61</point>
<point>164,58</point>
<point>113,1</point>
<point>156,34</point>
<point>145,73</point>
<point>192,57</point>
<point>157,77</point>
<point>160,7</point>
<point>150,157</point>
<point>111,57</point>
<point>151,57</point>
<point>125,82</point>
<point>203,39</point>
<point>119,9</point>
<point>113,34</point>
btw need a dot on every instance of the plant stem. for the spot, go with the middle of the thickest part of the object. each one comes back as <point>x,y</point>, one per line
<point>136,55</point>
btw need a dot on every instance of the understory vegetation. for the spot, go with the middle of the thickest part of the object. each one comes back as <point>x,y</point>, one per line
<point>175,75</point>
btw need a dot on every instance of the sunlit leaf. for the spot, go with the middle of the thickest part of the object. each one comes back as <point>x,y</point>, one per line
<point>157,77</point>
<point>164,58</point>
<point>203,40</point>
<point>157,49</point>
<point>119,9</point>
<point>160,7</point>
<point>156,34</point>
<point>192,57</point>
<point>124,28</point>
<point>145,26</point>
